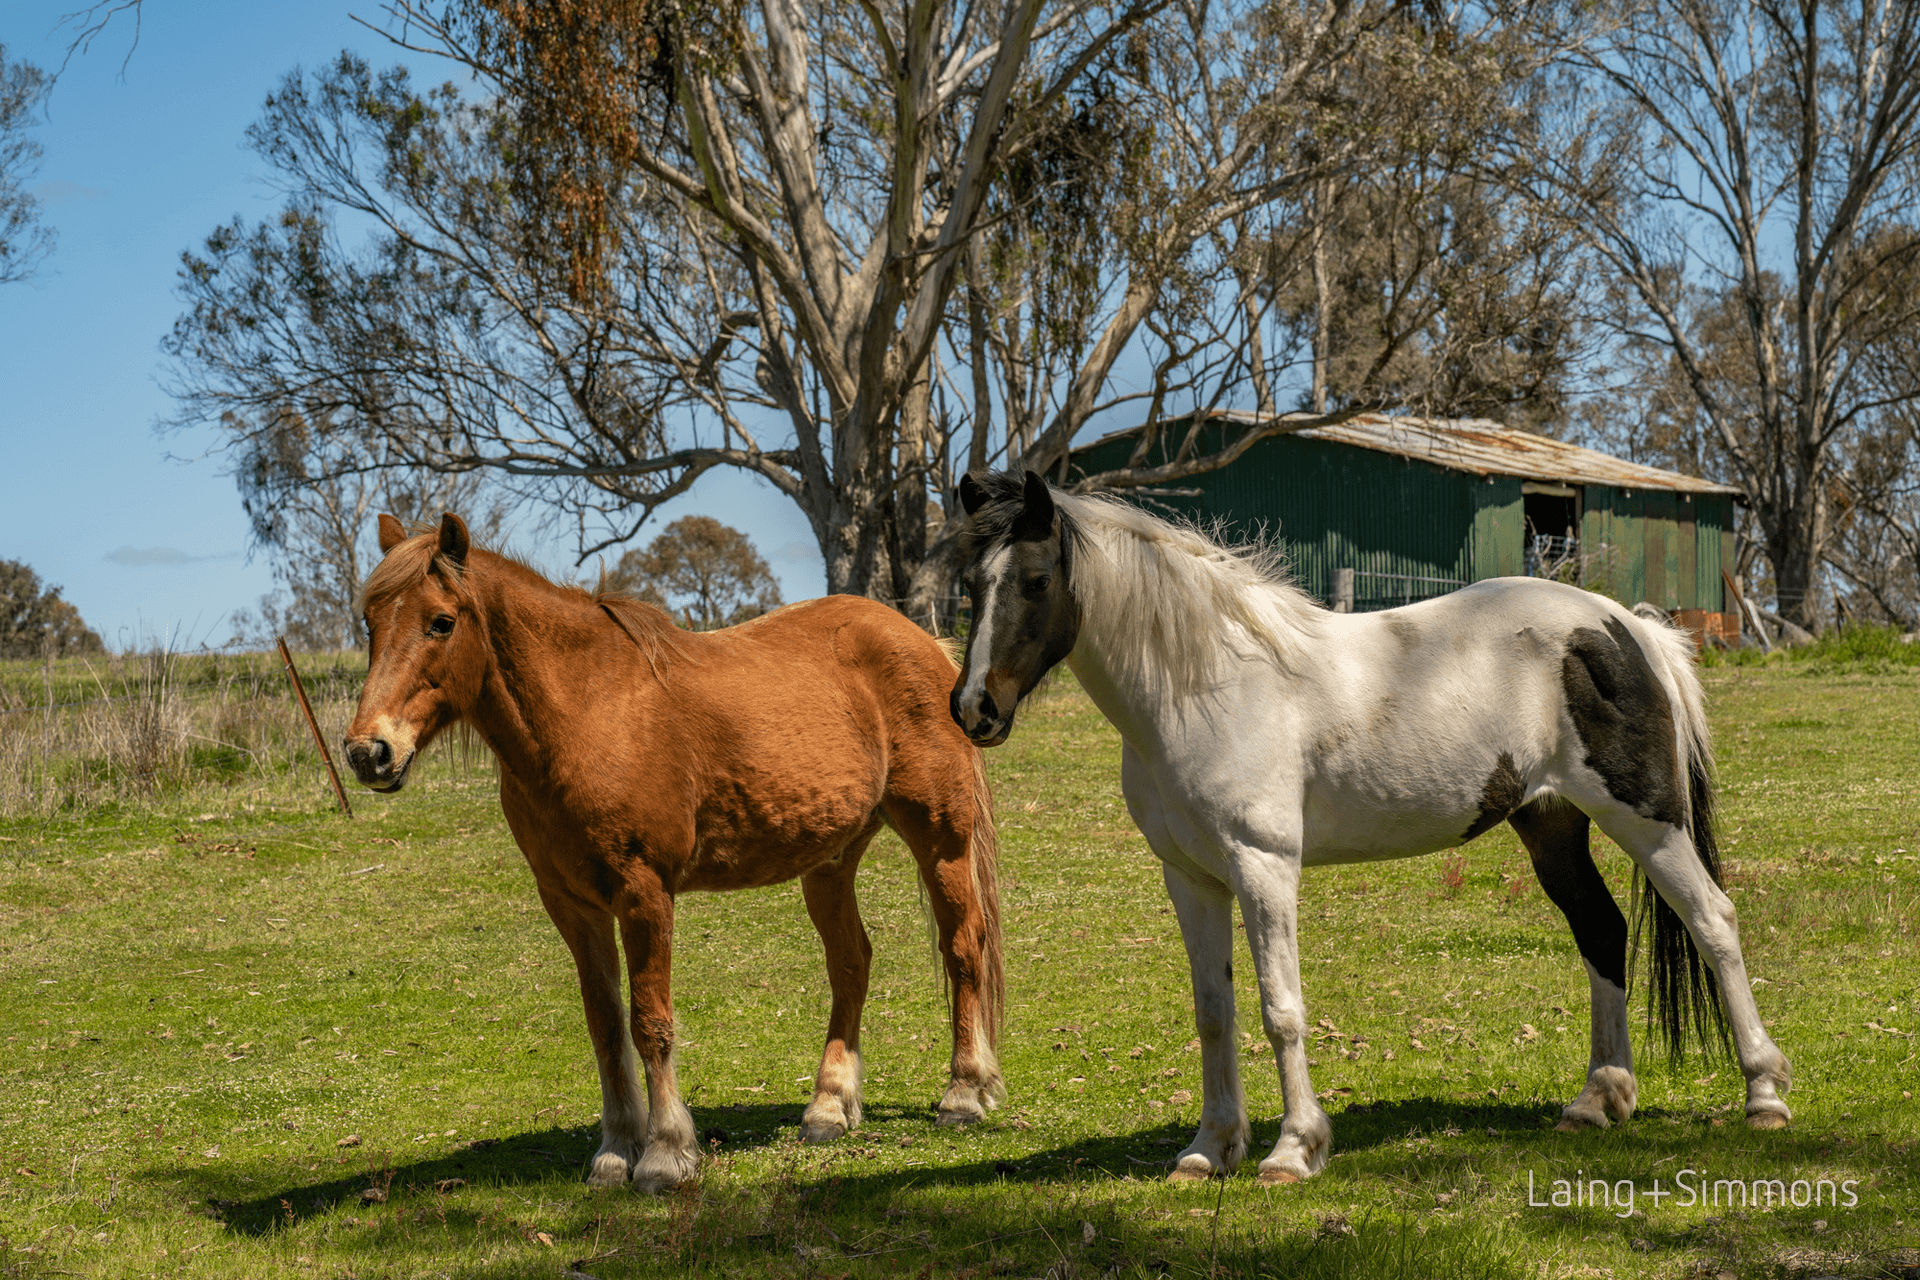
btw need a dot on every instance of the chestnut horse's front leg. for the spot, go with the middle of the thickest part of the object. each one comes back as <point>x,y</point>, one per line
<point>835,1107</point>
<point>588,932</point>
<point>645,908</point>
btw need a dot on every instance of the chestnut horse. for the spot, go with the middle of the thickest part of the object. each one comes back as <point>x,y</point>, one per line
<point>639,761</point>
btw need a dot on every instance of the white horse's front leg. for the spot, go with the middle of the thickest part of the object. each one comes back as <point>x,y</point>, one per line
<point>1204,907</point>
<point>1205,911</point>
<point>1269,902</point>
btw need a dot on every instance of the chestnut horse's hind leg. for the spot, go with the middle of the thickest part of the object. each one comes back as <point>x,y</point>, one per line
<point>646,928</point>
<point>835,1108</point>
<point>941,844</point>
<point>1556,836</point>
<point>589,935</point>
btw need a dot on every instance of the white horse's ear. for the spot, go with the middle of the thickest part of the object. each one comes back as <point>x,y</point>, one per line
<point>454,541</point>
<point>392,533</point>
<point>972,495</point>
<point>1036,515</point>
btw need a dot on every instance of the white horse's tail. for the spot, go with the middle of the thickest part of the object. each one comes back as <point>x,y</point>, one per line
<point>1681,989</point>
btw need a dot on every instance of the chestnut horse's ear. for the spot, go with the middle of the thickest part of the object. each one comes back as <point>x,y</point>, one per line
<point>1036,513</point>
<point>973,495</point>
<point>392,533</point>
<point>453,538</point>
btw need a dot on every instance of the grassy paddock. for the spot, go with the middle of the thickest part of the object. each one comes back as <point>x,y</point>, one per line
<point>244,1037</point>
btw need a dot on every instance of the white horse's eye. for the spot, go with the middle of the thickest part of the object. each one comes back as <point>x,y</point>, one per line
<point>1038,585</point>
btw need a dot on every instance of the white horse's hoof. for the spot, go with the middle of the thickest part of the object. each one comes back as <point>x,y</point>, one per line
<point>1768,1119</point>
<point>1196,1172</point>
<point>1611,1094</point>
<point>1301,1152</point>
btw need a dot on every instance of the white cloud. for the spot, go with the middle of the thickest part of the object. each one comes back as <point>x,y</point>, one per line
<point>146,557</point>
<point>60,191</point>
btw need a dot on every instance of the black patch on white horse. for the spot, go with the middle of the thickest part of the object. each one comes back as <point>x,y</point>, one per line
<point>1503,793</point>
<point>1556,836</point>
<point>1625,719</point>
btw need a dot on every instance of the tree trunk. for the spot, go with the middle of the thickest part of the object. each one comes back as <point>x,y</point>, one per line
<point>1322,297</point>
<point>1795,546</point>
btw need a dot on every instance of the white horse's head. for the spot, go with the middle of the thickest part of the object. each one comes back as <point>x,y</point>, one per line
<point>1019,564</point>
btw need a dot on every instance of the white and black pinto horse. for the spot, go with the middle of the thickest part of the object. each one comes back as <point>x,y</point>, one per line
<point>1263,734</point>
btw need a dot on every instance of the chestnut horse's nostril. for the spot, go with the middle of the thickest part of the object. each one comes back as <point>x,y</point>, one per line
<point>369,756</point>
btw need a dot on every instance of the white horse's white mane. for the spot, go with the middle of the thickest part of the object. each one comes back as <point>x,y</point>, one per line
<point>1165,599</point>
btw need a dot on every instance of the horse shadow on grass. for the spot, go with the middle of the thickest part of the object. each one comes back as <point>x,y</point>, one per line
<point>1044,1211</point>
<point>376,1174</point>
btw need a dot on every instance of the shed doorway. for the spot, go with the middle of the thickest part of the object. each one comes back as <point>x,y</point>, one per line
<point>1552,514</point>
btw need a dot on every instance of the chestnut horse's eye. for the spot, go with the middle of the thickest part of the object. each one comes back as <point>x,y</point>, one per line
<point>441,626</point>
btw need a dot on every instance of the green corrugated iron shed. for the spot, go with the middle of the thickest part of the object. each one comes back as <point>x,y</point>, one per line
<point>1416,507</point>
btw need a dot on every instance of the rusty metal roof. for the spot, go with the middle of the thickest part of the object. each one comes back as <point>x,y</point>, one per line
<point>1481,447</point>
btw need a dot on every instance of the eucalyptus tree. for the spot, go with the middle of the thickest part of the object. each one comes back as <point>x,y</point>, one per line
<point>315,523</point>
<point>24,238</point>
<point>848,250</point>
<point>1752,160</point>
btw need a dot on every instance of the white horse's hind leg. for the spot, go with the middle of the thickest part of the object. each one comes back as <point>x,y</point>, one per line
<point>1269,902</point>
<point>1667,855</point>
<point>1611,1089</point>
<point>1557,838</point>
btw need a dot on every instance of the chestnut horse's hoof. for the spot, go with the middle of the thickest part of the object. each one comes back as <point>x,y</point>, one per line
<point>965,1103</point>
<point>663,1169</point>
<point>610,1169</point>
<point>815,1132</point>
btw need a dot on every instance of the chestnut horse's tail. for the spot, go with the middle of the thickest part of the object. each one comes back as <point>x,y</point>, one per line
<point>983,854</point>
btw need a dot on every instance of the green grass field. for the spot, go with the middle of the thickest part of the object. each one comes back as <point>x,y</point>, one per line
<point>243,1037</point>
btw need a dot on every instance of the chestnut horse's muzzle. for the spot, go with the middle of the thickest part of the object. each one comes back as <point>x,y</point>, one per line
<point>376,764</point>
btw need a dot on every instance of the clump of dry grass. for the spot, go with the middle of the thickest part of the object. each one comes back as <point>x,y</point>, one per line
<point>82,734</point>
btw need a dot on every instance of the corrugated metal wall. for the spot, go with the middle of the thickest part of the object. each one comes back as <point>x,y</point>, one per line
<point>1337,506</point>
<point>1655,545</point>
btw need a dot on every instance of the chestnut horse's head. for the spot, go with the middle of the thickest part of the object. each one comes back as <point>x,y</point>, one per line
<point>427,651</point>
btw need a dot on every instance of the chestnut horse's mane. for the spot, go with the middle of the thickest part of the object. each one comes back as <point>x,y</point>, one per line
<point>407,566</point>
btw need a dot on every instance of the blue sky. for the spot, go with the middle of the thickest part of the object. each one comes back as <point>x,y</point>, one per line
<point>140,162</point>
